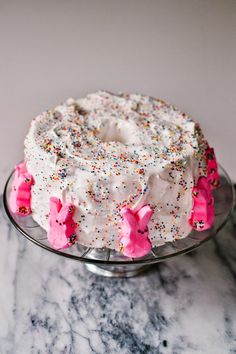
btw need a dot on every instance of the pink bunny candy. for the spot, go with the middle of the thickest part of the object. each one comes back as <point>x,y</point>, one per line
<point>134,231</point>
<point>212,169</point>
<point>62,228</point>
<point>20,197</point>
<point>202,217</point>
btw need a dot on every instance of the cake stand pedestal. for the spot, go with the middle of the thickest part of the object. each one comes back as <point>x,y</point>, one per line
<point>110,263</point>
<point>116,271</point>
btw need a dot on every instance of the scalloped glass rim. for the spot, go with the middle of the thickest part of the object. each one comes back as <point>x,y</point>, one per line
<point>224,202</point>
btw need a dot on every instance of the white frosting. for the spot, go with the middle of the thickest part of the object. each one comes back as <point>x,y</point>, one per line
<point>106,151</point>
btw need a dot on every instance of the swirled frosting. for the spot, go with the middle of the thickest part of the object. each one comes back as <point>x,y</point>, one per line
<point>107,151</point>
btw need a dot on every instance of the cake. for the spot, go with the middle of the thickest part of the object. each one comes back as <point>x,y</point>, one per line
<point>122,171</point>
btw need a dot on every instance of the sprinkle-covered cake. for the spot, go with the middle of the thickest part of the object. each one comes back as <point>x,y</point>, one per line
<point>127,172</point>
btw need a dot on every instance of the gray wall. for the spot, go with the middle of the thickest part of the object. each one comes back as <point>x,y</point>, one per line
<point>183,51</point>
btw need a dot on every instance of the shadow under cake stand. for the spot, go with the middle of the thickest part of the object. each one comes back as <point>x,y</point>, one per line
<point>111,263</point>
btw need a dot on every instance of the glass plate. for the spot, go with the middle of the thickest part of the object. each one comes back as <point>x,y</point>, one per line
<point>111,262</point>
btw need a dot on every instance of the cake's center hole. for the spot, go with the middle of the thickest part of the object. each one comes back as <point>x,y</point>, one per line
<point>117,132</point>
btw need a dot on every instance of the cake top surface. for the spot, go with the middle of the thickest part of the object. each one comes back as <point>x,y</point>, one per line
<point>110,134</point>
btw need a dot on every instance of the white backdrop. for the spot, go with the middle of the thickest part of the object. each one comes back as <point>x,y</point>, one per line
<point>183,51</point>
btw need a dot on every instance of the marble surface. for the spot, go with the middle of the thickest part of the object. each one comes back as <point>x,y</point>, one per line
<point>54,305</point>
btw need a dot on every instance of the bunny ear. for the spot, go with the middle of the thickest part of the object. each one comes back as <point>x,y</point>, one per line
<point>128,216</point>
<point>67,211</point>
<point>145,214</point>
<point>55,205</point>
<point>18,169</point>
<point>63,197</point>
<point>21,169</point>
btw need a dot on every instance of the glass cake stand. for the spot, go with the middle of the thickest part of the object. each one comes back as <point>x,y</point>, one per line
<point>111,263</point>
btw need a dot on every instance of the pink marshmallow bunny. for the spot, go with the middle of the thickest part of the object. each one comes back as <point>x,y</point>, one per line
<point>202,217</point>
<point>134,231</point>
<point>20,197</point>
<point>212,169</point>
<point>62,228</point>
